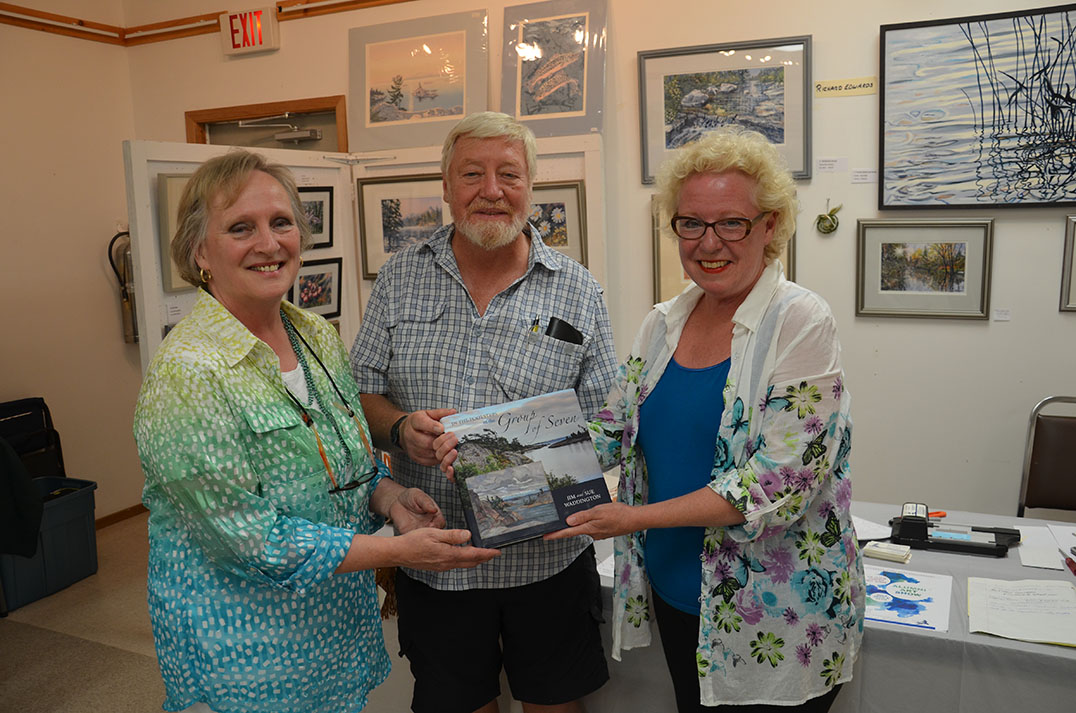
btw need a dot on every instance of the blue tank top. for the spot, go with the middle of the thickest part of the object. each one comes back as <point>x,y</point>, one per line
<point>678,424</point>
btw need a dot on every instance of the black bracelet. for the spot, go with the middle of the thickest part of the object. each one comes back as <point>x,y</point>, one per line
<point>394,432</point>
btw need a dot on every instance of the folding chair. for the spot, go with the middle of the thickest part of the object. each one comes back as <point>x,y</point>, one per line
<point>1049,474</point>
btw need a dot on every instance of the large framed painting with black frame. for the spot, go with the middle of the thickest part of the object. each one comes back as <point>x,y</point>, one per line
<point>979,111</point>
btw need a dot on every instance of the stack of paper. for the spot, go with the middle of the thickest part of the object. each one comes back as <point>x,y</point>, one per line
<point>888,551</point>
<point>1037,610</point>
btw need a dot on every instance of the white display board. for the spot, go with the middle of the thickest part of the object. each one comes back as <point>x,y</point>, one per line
<point>566,158</point>
<point>156,308</point>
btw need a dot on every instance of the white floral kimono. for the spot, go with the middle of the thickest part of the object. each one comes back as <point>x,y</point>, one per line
<point>783,593</point>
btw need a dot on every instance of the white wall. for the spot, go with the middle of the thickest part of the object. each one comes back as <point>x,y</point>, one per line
<point>940,405</point>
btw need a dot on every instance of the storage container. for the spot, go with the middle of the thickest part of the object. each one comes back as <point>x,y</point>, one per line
<point>66,545</point>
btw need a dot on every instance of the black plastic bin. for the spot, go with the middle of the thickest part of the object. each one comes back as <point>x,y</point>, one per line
<point>66,544</point>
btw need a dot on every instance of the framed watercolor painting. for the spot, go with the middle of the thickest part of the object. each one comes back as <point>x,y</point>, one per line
<point>411,81</point>
<point>1068,280</point>
<point>924,268</point>
<point>318,207</point>
<point>558,210</point>
<point>974,111</point>
<point>553,78</point>
<point>764,85</point>
<point>395,212</point>
<point>317,287</point>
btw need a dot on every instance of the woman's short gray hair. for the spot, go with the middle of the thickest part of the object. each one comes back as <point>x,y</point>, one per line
<point>492,125</point>
<point>222,178</point>
<point>734,149</point>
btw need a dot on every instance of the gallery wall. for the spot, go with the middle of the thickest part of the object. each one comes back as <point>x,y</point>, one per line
<point>66,108</point>
<point>940,406</point>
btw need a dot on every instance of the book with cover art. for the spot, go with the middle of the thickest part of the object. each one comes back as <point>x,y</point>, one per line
<point>524,466</point>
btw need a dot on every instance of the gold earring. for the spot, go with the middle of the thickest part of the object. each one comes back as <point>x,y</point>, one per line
<point>300,261</point>
<point>204,275</point>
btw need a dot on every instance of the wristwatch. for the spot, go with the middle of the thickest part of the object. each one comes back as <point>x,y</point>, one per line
<point>394,432</point>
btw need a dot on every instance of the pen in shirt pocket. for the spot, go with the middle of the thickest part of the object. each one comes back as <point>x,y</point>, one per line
<point>536,323</point>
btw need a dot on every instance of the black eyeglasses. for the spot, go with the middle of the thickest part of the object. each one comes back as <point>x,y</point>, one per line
<point>731,230</point>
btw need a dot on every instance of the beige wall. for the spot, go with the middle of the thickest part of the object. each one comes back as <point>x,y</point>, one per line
<point>67,106</point>
<point>940,405</point>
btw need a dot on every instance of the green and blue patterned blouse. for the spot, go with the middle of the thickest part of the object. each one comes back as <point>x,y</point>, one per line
<point>244,535</point>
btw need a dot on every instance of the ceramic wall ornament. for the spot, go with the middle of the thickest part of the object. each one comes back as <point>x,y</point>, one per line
<point>827,223</point>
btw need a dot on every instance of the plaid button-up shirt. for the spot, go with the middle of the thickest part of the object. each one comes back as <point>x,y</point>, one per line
<point>423,345</point>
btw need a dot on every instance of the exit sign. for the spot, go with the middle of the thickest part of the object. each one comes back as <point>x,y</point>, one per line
<point>249,31</point>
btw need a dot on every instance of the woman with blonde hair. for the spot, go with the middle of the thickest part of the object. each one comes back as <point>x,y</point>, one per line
<point>730,422</point>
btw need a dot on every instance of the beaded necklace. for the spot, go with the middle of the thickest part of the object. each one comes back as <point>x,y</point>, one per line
<point>312,389</point>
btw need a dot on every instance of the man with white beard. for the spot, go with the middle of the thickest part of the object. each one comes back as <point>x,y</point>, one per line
<point>460,322</point>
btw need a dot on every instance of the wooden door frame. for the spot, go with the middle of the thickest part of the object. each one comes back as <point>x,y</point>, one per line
<point>196,120</point>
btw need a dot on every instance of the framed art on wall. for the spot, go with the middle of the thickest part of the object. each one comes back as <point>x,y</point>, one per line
<point>169,189</point>
<point>411,81</point>
<point>1068,283</point>
<point>553,78</point>
<point>318,207</point>
<point>764,85</point>
<point>974,111</point>
<point>317,287</point>
<point>924,268</point>
<point>558,210</point>
<point>395,212</point>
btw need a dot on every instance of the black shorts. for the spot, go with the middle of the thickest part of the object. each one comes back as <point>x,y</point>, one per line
<point>544,634</point>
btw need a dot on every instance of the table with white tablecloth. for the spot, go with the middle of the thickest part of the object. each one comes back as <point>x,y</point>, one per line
<point>901,669</point>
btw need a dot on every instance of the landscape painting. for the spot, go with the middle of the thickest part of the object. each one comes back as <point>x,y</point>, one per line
<point>409,221</point>
<point>979,111</point>
<point>923,267</point>
<point>763,85</point>
<point>416,79</point>
<point>396,212</point>
<point>552,66</point>
<point>700,102</point>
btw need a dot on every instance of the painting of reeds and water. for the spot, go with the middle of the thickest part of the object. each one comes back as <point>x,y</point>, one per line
<point>979,111</point>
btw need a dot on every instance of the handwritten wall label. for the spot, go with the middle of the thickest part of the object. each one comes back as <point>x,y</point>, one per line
<point>846,87</point>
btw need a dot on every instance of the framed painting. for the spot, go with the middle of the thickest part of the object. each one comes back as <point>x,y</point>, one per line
<point>395,212</point>
<point>975,109</point>
<point>669,276</point>
<point>924,268</point>
<point>1068,284</point>
<point>318,207</point>
<point>411,81</point>
<point>764,85</point>
<point>169,189</point>
<point>553,77</point>
<point>317,287</point>
<point>558,210</point>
